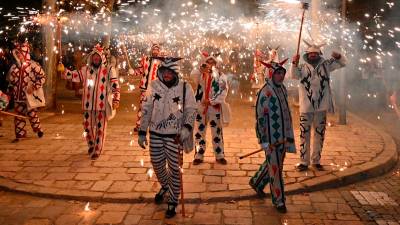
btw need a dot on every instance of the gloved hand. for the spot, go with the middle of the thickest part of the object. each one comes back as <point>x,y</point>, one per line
<point>142,141</point>
<point>185,134</point>
<point>265,146</point>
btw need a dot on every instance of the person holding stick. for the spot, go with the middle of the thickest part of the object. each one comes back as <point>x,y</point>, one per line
<point>26,79</point>
<point>315,99</point>
<point>275,134</point>
<point>169,111</point>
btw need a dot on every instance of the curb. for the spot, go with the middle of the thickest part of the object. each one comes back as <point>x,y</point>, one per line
<point>383,163</point>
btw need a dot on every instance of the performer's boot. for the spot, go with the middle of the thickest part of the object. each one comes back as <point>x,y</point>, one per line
<point>159,198</point>
<point>40,134</point>
<point>281,208</point>
<point>170,210</point>
<point>260,193</point>
<point>90,150</point>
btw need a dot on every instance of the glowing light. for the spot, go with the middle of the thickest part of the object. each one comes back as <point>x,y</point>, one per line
<point>87,207</point>
<point>141,162</point>
<point>150,173</point>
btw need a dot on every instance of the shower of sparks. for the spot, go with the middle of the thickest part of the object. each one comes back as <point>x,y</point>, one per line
<point>188,27</point>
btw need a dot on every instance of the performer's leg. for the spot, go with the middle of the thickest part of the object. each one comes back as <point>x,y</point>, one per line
<point>200,137</point>
<point>319,136</point>
<point>101,131</point>
<point>174,181</point>
<point>20,109</point>
<point>88,129</point>
<point>158,160</point>
<point>260,179</point>
<point>139,112</point>
<point>275,167</point>
<point>216,133</point>
<point>35,122</point>
<point>305,135</point>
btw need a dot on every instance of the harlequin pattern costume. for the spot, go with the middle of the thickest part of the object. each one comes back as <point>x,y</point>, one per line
<point>148,72</point>
<point>211,92</point>
<point>273,124</point>
<point>100,92</point>
<point>25,74</point>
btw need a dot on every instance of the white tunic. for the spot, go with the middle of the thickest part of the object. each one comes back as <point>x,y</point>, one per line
<point>314,90</point>
<point>162,108</point>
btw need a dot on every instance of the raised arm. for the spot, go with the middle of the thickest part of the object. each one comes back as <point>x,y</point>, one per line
<point>336,62</point>
<point>114,85</point>
<point>295,69</point>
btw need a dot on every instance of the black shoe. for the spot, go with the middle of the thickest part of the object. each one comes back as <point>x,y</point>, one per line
<point>159,198</point>
<point>16,140</point>
<point>222,161</point>
<point>94,156</point>
<point>301,167</point>
<point>260,193</point>
<point>40,134</point>
<point>281,208</point>
<point>318,166</point>
<point>170,211</point>
<point>197,161</point>
<point>90,150</point>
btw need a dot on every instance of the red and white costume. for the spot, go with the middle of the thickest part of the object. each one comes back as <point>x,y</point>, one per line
<point>23,74</point>
<point>148,71</point>
<point>100,90</point>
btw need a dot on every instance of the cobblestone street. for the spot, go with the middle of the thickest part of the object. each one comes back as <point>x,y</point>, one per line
<point>51,180</point>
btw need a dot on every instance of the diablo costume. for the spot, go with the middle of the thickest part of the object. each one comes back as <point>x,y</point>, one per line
<point>260,71</point>
<point>26,79</point>
<point>315,99</point>
<point>212,89</point>
<point>169,111</point>
<point>101,95</point>
<point>273,125</point>
<point>148,72</point>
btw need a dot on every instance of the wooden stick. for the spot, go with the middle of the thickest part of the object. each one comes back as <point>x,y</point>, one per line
<point>12,114</point>
<point>180,152</point>
<point>260,150</point>
<point>305,7</point>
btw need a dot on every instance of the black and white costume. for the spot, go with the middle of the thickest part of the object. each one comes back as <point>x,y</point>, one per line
<point>167,116</point>
<point>315,100</point>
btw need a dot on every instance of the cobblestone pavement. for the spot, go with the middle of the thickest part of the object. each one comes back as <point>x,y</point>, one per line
<point>57,165</point>
<point>333,206</point>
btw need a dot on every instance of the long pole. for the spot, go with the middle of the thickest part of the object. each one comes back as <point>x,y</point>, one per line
<point>342,81</point>
<point>180,152</point>
<point>301,29</point>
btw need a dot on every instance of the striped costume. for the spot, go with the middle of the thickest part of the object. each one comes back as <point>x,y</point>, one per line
<point>163,117</point>
<point>100,91</point>
<point>23,74</point>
